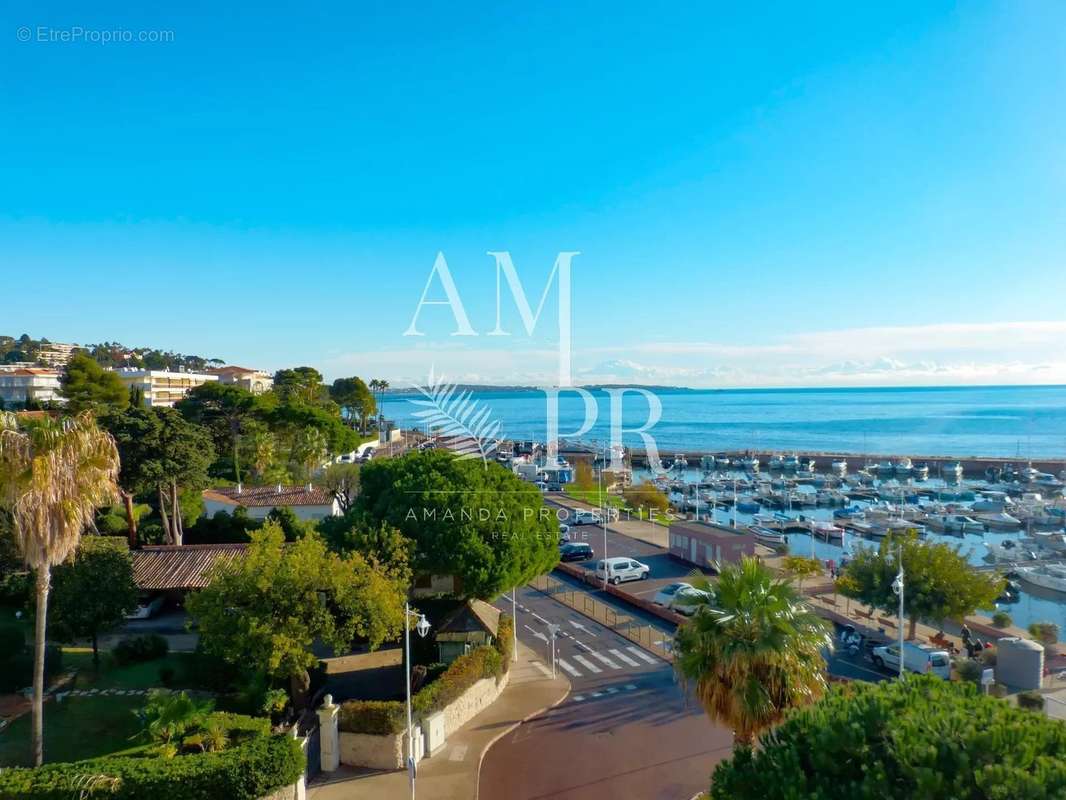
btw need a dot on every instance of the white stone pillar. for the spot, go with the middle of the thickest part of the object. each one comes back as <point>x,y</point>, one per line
<point>329,734</point>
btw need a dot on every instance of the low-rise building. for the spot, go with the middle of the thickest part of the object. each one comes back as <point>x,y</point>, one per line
<point>704,544</point>
<point>253,380</point>
<point>307,502</point>
<point>21,385</point>
<point>163,388</point>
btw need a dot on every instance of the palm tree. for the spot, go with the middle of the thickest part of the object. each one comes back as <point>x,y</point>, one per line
<point>752,649</point>
<point>53,476</point>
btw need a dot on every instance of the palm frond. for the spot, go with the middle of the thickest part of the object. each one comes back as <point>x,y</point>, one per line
<point>466,423</point>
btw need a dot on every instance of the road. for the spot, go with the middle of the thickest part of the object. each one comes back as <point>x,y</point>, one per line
<point>626,730</point>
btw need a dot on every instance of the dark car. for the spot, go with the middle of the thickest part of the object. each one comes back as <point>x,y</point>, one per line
<point>576,551</point>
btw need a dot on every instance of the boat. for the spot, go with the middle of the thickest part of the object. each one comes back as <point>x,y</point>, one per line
<point>920,472</point>
<point>680,462</point>
<point>790,463</point>
<point>1054,542</point>
<point>707,463</point>
<point>951,471</point>
<point>902,468</point>
<point>767,536</point>
<point>826,530</point>
<point>721,462</point>
<point>1011,550</point>
<point>839,467</point>
<point>747,463</point>
<point>1000,522</point>
<point>955,523</point>
<point>886,469</point>
<point>849,513</point>
<point>748,506</point>
<point>777,462</point>
<point>1046,576</point>
<point>992,501</point>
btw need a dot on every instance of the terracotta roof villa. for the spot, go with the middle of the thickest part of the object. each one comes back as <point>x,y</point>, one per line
<point>180,567</point>
<point>307,502</point>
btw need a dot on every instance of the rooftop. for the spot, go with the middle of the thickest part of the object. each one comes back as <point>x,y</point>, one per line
<point>270,496</point>
<point>160,567</point>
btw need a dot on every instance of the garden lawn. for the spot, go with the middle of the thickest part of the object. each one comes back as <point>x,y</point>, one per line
<point>144,675</point>
<point>77,728</point>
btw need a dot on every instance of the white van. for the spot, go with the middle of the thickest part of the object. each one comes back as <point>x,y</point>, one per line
<point>916,658</point>
<point>622,569</point>
<point>583,517</point>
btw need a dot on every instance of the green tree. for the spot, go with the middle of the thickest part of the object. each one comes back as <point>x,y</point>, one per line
<point>92,593</point>
<point>342,481</point>
<point>290,423</point>
<point>265,611</point>
<point>799,568</point>
<point>898,740</point>
<point>378,542</point>
<point>89,387</point>
<point>752,652</point>
<point>647,498</point>
<point>53,476</point>
<point>477,522</point>
<point>939,583</point>
<point>300,385</point>
<point>354,397</point>
<point>225,410</point>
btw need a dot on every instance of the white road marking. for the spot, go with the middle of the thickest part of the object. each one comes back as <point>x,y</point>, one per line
<point>587,664</point>
<point>581,627</point>
<point>539,617</point>
<point>606,661</point>
<point>566,665</point>
<point>641,654</point>
<point>624,658</point>
<point>547,672</point>
<point>458,752</point>
<point>630,687</point>
<point>612,690</point>
<point>583,646</point>
<point>597,694</point>
<point>538,634</point>
<point>577,698</point>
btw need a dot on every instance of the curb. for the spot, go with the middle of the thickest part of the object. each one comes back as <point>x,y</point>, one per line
<point>501,734</point>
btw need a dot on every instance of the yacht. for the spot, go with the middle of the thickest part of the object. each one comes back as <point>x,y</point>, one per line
<point>1012,550</point>
<point>707,463</point>
<point>992,501</point>
<point>748,463</point>
<point>680,462</point>
<point>826,530</point>
<point>777,462</point>
<point>902,468</point>
<point>920,472</point>
<point>767,536</point>
<point>955,523</point>
<point>721,462</point>
<point>839,467</point>
<point>1055,542</point>
<point>790,463</point>
<point>806,465</point>
<point>1000,522</point>
<point>886,469</point>
<point>748,505</point>
<point>951,471</point>
<point>1046,576</point>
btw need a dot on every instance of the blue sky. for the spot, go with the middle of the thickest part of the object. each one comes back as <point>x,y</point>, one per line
<point>809,193</point>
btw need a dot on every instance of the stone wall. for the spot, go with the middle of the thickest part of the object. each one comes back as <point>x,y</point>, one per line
<point>472,702</point>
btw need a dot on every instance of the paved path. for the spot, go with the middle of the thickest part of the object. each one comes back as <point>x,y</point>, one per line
<point>452,773</point>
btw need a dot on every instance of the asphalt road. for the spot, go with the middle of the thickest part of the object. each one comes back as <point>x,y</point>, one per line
<point>627,730</point>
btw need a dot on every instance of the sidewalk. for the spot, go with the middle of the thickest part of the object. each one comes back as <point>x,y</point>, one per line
<point>452,772</point>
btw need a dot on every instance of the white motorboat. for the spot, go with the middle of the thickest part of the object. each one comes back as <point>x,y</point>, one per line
<point>839,467</point>
<point>790,463</point>
<point>955,523</point>
<point>1054,542</point>
<point>1000,522</point>
<point>1012,550</point>
<point>951,471</point>
<point>920,472</point>
<point>747,463</point>
<point>886,469</point>
<point>826,530</point>
<point>767,536</point>
<point>902,468</point>
<point>1046,576</point>
<point>680,462</point>
<point>707,463</point>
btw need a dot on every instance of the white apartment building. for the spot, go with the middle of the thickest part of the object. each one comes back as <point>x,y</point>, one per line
<point>19,385</point>
<point>253,380</point>
<point>162,388</point>
<point>56,354</point>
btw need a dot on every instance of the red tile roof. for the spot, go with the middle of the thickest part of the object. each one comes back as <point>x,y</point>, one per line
<point>162,567</point>
<point>270,496</point>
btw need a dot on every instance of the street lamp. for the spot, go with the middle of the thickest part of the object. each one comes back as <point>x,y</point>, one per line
<point>422,627</point>
<point>897,587</point>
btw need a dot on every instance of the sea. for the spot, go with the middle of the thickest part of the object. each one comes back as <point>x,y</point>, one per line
<point>1020,422</point>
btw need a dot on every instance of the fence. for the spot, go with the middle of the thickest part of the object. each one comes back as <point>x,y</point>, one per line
<point>650,638</point>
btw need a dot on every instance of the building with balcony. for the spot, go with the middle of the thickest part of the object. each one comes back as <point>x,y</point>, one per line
<point>162,388</point>
<point>253,380</point>
<point>56,354</point>
<point>22,385</point>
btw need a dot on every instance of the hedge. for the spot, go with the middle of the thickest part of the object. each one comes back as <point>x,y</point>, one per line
<point>245,772</point>
<point>388,717</point>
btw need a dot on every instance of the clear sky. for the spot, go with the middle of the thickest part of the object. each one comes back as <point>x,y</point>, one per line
<point>801,193</point>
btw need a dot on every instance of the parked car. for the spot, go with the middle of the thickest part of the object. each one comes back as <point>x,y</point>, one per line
<point>147,607</point>
<point>564,533</point>
<point>576,551</point>
<point>368,453</point>
<point>916,658</point>
<point>677,596</point>
<point>583,517</point>
<point>619,569</point>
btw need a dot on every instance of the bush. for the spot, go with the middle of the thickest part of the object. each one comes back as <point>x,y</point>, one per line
<point>1001,619</point>
<point>248,771</point>
<point>505,640</point>
<point>1032,700</point>
<point>17,673</point>
<point>969,670</point>
<point>1047,633</point>
<point>12,641</point>
<point>382,718</point>
<point>897,740</point>
<point>136,649</point>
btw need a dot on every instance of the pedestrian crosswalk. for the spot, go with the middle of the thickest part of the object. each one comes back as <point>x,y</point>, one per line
<point>580,698</point>
<point>595,663</point>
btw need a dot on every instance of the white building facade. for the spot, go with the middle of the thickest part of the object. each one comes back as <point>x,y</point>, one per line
<point>161,388</point>
<point>21,385</point>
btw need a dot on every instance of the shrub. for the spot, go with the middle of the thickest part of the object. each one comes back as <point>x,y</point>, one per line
<point>969,669</point>
<point>17,673</point>
<point>248,771</point>
<point>12,641</point>
<point>1047,633</point>
<point>1001,619</point>
<point>898,740</point>
<point>136,649</point>
<point>505,640</point>
<point>1032,700</point>
<point>382,718</point>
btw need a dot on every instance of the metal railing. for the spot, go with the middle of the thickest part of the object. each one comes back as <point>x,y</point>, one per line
<point>648,637</point>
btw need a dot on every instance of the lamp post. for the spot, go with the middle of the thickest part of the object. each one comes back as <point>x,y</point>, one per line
<point>422,627</point>
<point>897,587</point>
<point>603,516</point>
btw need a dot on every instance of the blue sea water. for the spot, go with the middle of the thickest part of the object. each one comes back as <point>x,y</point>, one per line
<point>1011,421</point>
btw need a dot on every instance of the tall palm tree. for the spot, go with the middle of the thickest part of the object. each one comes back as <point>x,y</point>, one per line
<point>383,386</point>
<point>53,477</point>
<point>752,649</point>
